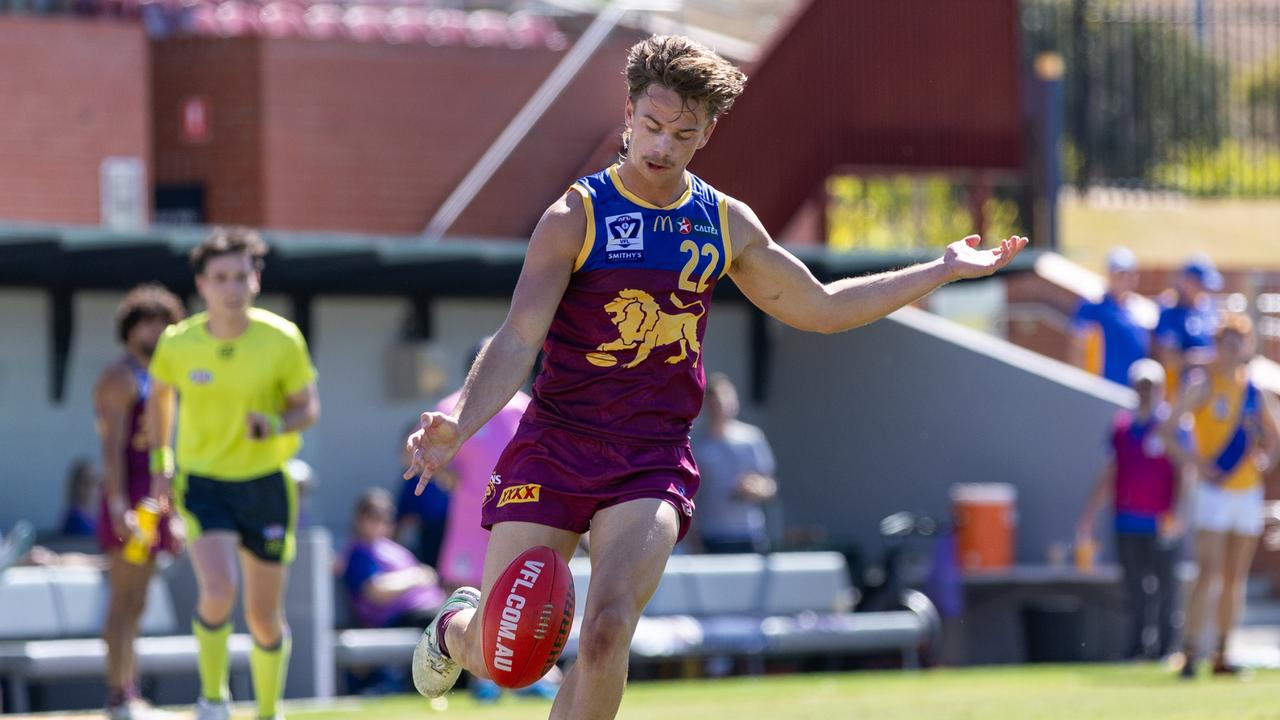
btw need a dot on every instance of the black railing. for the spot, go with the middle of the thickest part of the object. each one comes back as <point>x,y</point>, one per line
<point>1177,95</point>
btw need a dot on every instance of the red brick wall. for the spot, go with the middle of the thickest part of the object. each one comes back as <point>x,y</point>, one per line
<point>373,137</point>
<point>73,92</point>
<point>875,83</point>
<point>226,73</point>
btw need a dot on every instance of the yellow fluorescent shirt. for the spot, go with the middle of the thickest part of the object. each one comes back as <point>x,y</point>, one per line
<point>219,382</point>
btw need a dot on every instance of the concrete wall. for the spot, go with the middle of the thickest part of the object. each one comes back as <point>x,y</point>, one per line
<point>887,417</point>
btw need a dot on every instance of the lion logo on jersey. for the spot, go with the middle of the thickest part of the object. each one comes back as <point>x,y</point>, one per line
<point>643,326</point>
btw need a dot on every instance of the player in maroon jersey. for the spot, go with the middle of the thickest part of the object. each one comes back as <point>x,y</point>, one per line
<point>118,401</point>
<point>615,290</point>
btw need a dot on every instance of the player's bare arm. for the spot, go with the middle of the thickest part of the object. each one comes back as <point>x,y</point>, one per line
<point>1102,490</point>
<point>301,411</point>
<point>506,361</point>
<point>1193,396</point>
<point>158,421</point>
<point>113,399</point>
<point>778,283</point>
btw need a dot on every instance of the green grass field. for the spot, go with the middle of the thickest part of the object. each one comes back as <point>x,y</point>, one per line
<point>1085,692</point>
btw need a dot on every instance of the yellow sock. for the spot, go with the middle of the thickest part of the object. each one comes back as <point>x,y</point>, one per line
<point>213,659</point>
<point>269,666</point>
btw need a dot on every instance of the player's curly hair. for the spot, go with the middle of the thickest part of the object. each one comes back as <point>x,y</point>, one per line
<point>228,241</point>
<point>692,70</point>
<point>147,302</point>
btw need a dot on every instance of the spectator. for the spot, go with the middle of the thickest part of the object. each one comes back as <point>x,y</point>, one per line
<point>1106,336</point>
<point>737,475</point>
<point>1143,487</point>
<point>1184,332</point>
<point>385,583</point>
<point>388,587</point>
<point>1236,433</point>
<point>83,484</point>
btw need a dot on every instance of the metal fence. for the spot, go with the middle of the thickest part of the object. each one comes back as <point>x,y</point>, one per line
<point>1178,95</point>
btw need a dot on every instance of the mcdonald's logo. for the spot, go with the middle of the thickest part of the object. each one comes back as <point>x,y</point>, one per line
<point>663,223</point>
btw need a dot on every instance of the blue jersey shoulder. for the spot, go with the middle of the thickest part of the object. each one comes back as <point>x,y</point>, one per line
<point>626,232</point>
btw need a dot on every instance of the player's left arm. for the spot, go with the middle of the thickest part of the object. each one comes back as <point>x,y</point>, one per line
<point>778,283</point>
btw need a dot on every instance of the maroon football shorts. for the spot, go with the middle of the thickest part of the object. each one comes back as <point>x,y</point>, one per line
<point>561,479</point>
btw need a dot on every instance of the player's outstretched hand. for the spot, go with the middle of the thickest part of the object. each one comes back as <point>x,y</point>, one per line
<point>965,260</point>
<point>431,446</point>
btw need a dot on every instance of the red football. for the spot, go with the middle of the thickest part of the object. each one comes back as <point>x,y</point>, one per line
<point>527,617</point>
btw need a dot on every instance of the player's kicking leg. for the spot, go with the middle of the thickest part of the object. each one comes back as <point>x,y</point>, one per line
<point>630,545</point>
<point>452,642</point>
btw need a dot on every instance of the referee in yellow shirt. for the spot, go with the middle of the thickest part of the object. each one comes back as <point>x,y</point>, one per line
<point>243,385</point>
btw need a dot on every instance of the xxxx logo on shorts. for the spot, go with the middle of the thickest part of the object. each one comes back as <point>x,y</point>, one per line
<point>519,494</point>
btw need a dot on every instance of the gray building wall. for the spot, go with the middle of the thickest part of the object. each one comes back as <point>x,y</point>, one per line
<point>885,418</point>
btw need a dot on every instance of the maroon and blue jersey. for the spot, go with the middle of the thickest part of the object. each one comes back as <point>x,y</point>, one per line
<point>623,356</point>
<point>137,451</point>
<point>137,465</point>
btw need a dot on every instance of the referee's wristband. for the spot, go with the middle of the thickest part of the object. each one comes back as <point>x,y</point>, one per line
<point>277,423</point>
<point>162,461</point>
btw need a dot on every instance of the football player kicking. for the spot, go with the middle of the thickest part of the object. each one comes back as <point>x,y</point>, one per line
<point>615,289</point>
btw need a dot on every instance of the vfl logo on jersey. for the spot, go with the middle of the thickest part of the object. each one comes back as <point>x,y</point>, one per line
<point>520,494</point>
<point>201,377</point>
<point>643,326</point>
<point>625,238</point>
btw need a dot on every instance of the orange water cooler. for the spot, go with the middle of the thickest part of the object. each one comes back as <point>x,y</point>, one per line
<point>985,516</point>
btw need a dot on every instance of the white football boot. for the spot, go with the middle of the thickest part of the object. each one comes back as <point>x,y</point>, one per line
<point>210,710</point>
<point>433,673</point>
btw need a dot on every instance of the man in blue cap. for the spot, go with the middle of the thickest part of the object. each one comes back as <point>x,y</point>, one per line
<point>1184,333</point>
<point>1106,336</point>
